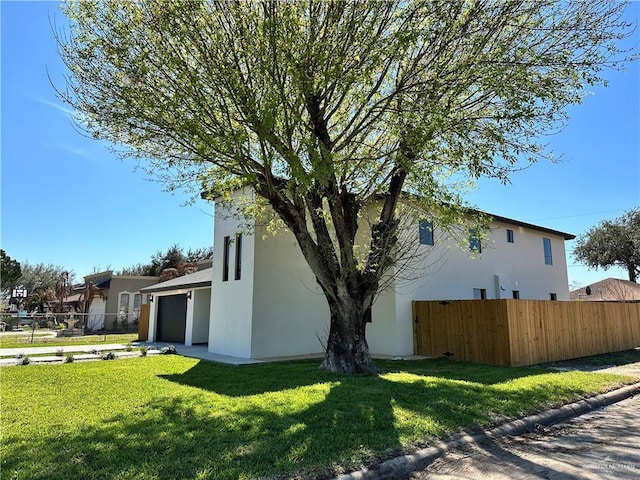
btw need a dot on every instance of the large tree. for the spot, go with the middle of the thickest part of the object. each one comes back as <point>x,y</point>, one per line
<point>612,243</point>
<point>10,271</point>
<point>331,109</point>
<point>42,277</point>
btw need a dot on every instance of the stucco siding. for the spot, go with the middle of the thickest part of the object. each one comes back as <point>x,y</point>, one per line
<point>231,300</point>
<point>277,309</point>
<point>201,314</point>
<point>120,284</point>
<point>290,312</point>
<point>450,272</point>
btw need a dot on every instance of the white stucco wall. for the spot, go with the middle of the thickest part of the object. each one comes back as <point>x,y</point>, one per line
<point>201,315</point>
<point>290,311</point>
<point>232,300</point>
<point>382,332</point>
<point>277,309</point>
<point>450,273</point>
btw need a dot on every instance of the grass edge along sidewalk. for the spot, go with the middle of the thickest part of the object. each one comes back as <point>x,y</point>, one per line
<point>403,465</point>
<point>170,417</point>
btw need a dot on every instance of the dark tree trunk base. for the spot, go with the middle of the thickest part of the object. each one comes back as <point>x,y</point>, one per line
<point>349,363</point>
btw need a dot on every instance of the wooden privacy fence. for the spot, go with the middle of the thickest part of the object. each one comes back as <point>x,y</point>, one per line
<point>524,332</point>
<point>143,324</point>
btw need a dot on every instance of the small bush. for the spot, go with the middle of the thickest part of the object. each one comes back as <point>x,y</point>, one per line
<point>143,350</point>
<point>22,359</point>
<point>129,347</point>
<point>168,350</point>
<point>60,352</point>
<point>69,358</point>
<point>108,356</point>
<point>94,351</point>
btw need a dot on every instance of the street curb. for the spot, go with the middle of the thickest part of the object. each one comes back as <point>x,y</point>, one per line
<point>402,466</point>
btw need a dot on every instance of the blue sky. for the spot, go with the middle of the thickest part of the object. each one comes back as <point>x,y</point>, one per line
<point>66,200</point>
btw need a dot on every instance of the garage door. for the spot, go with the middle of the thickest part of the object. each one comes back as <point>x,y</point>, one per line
<point>172,318</point>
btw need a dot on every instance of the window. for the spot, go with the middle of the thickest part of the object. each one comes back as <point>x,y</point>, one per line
<point>516,294</point>
<point>425,228</point>
<point>225,259</point>
<point>479,293</point>
<point>238,256</point>
<point>123,306</point>
<point>509,236</point>
<point>137,301</point>
<point>474,241</point>
<point>548,259</point>
<point>553,296</point>
<point>129,307</point>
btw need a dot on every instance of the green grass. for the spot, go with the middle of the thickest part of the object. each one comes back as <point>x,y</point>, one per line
<point>170,417</point>
<point>24,341</point>
<point>599,361</point>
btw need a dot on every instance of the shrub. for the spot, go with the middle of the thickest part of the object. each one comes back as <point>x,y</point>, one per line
<point>69,358</point>
<point>143,350</point>
<point>94,351</point>
<point>60,352</point>
<point>129,347</point>
<point>22,359</point>
<point>168,350</point>
<point>108,356</point>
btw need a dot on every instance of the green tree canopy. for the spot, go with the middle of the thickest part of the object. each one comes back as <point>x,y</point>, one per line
<point>42,277</point>
<point>174,257</point>
<point>10,271</point>
<point>612,243</point>
<point>331,109</point>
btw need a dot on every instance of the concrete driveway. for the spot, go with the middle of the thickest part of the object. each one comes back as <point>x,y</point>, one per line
<point>603,444</point>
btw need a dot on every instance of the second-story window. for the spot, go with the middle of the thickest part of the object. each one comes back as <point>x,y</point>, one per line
<point>548,258</point>
<point>425,229</point>
<point>510,237</point>
<point>474,241</point>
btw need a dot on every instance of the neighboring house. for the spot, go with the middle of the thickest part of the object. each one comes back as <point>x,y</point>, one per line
<point>120,299</point>
<point>265,301</point>
<point>180,308</point>
<point>608,290</point>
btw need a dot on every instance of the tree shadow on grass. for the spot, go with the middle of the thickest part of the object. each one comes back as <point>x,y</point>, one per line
<point>297,423</point>
<point>262,378</point>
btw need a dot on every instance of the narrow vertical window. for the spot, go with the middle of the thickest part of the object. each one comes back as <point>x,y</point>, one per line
<point>479,293</point>
<point>516,294</point>
<point>123,308</point>
<point>225,259</point>
<point>548,259</point>
<point>474,241</point>
<point>553,296</point>
<point>137,301</point>
<point>425,229</point>
<point>238,256</point>
<point>509,236</point>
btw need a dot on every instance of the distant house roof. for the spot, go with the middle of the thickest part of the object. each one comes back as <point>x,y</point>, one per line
<point>608,290</point>
<point>102,280</point>
<point>201,278</point>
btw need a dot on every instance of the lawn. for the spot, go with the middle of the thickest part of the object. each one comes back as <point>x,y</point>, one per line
<point>24,341</point>
<point>170,417</point>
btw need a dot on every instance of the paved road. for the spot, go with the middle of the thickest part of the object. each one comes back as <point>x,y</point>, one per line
<point>602,445</point>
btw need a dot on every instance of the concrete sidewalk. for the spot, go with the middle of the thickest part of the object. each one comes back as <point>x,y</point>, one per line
<point>8,355</point>
<point>12,352</point>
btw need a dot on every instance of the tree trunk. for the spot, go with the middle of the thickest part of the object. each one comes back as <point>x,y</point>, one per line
<point>631,269</point>
<point>347,349</point>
